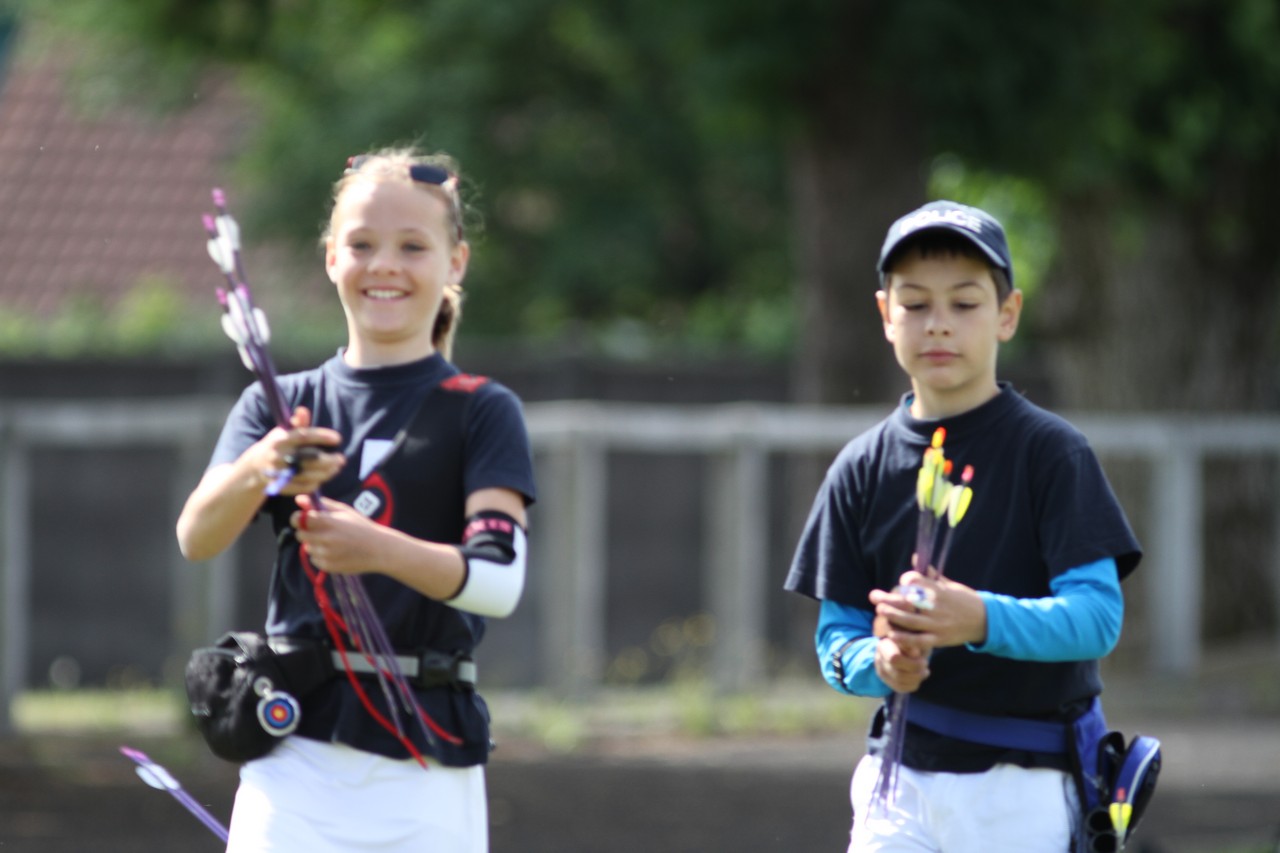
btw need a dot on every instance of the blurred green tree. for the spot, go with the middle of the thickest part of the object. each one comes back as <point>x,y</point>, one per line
<point>725,170</point>
<point>656,172</point>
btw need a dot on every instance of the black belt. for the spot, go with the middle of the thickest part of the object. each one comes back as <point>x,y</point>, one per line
<point>308,663</point>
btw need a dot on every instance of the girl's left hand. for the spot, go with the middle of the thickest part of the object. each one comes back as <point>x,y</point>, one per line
<point>957,617</point>
<point>338,539</point>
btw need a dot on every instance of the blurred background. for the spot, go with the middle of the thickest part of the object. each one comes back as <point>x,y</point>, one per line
<point>675,210</point>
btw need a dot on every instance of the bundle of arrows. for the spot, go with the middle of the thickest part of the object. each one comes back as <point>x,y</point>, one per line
<point>942,504</point>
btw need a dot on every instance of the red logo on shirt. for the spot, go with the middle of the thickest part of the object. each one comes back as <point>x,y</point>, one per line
<point>464,382</point>
<point>375,501</point>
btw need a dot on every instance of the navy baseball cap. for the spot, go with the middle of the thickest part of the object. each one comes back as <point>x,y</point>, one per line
<point>978,226</point>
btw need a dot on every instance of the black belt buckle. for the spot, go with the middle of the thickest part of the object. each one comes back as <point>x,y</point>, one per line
<point>444,669</point>
<point>303,662</point>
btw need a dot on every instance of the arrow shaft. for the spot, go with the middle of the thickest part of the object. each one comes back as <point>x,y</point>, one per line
<point>158,777</point>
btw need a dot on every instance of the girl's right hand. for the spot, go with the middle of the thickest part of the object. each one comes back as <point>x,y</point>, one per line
<point>229,495</point>
<point>299,448</point>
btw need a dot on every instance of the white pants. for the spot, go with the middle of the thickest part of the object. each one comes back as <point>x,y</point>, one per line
<point>313,797</point>
<point>1007,808</point>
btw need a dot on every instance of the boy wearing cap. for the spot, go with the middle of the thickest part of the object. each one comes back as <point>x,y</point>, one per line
<point>1031,599</point>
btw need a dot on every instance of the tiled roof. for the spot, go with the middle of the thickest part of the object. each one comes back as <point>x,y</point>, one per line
<point>93,203</point>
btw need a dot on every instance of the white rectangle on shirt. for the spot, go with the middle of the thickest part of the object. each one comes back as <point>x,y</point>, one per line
<point>373,451</point>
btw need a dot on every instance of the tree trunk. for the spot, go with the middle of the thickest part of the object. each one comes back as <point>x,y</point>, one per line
<point>1144,318</point>
<point>854,169</point>
<point>1137,318</point>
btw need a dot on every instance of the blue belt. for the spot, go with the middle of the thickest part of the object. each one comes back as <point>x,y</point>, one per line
<point>1006,732</point>
<point>1115,784</point>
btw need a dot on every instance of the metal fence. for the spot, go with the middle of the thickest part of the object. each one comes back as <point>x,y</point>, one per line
<point>740,437</point>
<point>573,441</point>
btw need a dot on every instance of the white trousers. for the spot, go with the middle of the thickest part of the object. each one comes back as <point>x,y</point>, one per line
<point>313,797</point>
<point>1007,808</point>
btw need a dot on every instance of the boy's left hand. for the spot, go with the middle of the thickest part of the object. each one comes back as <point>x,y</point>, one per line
<point>958,615</point>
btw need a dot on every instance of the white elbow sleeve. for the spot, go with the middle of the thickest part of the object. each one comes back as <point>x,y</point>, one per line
<point>493,551</point>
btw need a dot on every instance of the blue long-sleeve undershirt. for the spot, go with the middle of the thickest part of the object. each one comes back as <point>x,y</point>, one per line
<point>1080,621</point>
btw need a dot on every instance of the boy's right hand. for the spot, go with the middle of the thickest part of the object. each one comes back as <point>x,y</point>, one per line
<point>298,448</point>
<point>902,655</point>
<point>900,665</point>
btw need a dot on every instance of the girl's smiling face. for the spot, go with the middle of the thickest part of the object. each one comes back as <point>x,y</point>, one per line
<point>945,322</point>
<point>391,252</point>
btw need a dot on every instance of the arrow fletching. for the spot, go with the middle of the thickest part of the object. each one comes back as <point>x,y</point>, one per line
<point>228,232</point>
<point>157,777</point>
<point>217,252</point>
<point>1120,815</point>
<point>234,330</point>
<point>924,486</point>
<point>942,497</point>
<point>260,325</point>
<point>239,311</point>
<point>958,505</point>
<point>927,480</point>
<point>960,498</point>
<point>941,486</point>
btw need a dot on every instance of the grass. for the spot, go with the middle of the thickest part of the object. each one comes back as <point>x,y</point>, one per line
<point>148,711</point>
<point>687,708</point>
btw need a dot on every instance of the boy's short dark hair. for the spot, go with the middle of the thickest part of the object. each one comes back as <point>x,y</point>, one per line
<point>936,243</point>
<point>950,228</point>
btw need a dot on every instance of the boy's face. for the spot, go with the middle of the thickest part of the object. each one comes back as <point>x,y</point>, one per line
<point>942,316</point>
<point>391,255</point>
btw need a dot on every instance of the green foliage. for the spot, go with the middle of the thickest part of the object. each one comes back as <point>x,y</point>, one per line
<point>1152,97</point>
<point>630,157</point>
<point>148,314</point>
<point>148,319</point>
<point>152,319</point>
<point>618,186</point>
<point>1019,204</point>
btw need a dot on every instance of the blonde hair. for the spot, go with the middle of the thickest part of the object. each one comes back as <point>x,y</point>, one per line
<point>396,164</point>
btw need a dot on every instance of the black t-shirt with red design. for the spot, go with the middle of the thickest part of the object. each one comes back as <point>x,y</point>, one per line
<point>470,435</point>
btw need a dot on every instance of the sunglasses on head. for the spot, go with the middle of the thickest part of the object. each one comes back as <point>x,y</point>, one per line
<point>423,173</point>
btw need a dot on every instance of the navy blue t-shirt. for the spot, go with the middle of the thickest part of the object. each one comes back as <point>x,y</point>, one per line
<point>478,441</point>
<point>1041,506</point>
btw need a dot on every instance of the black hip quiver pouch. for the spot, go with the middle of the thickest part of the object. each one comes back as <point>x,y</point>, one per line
<point>244,695</point>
